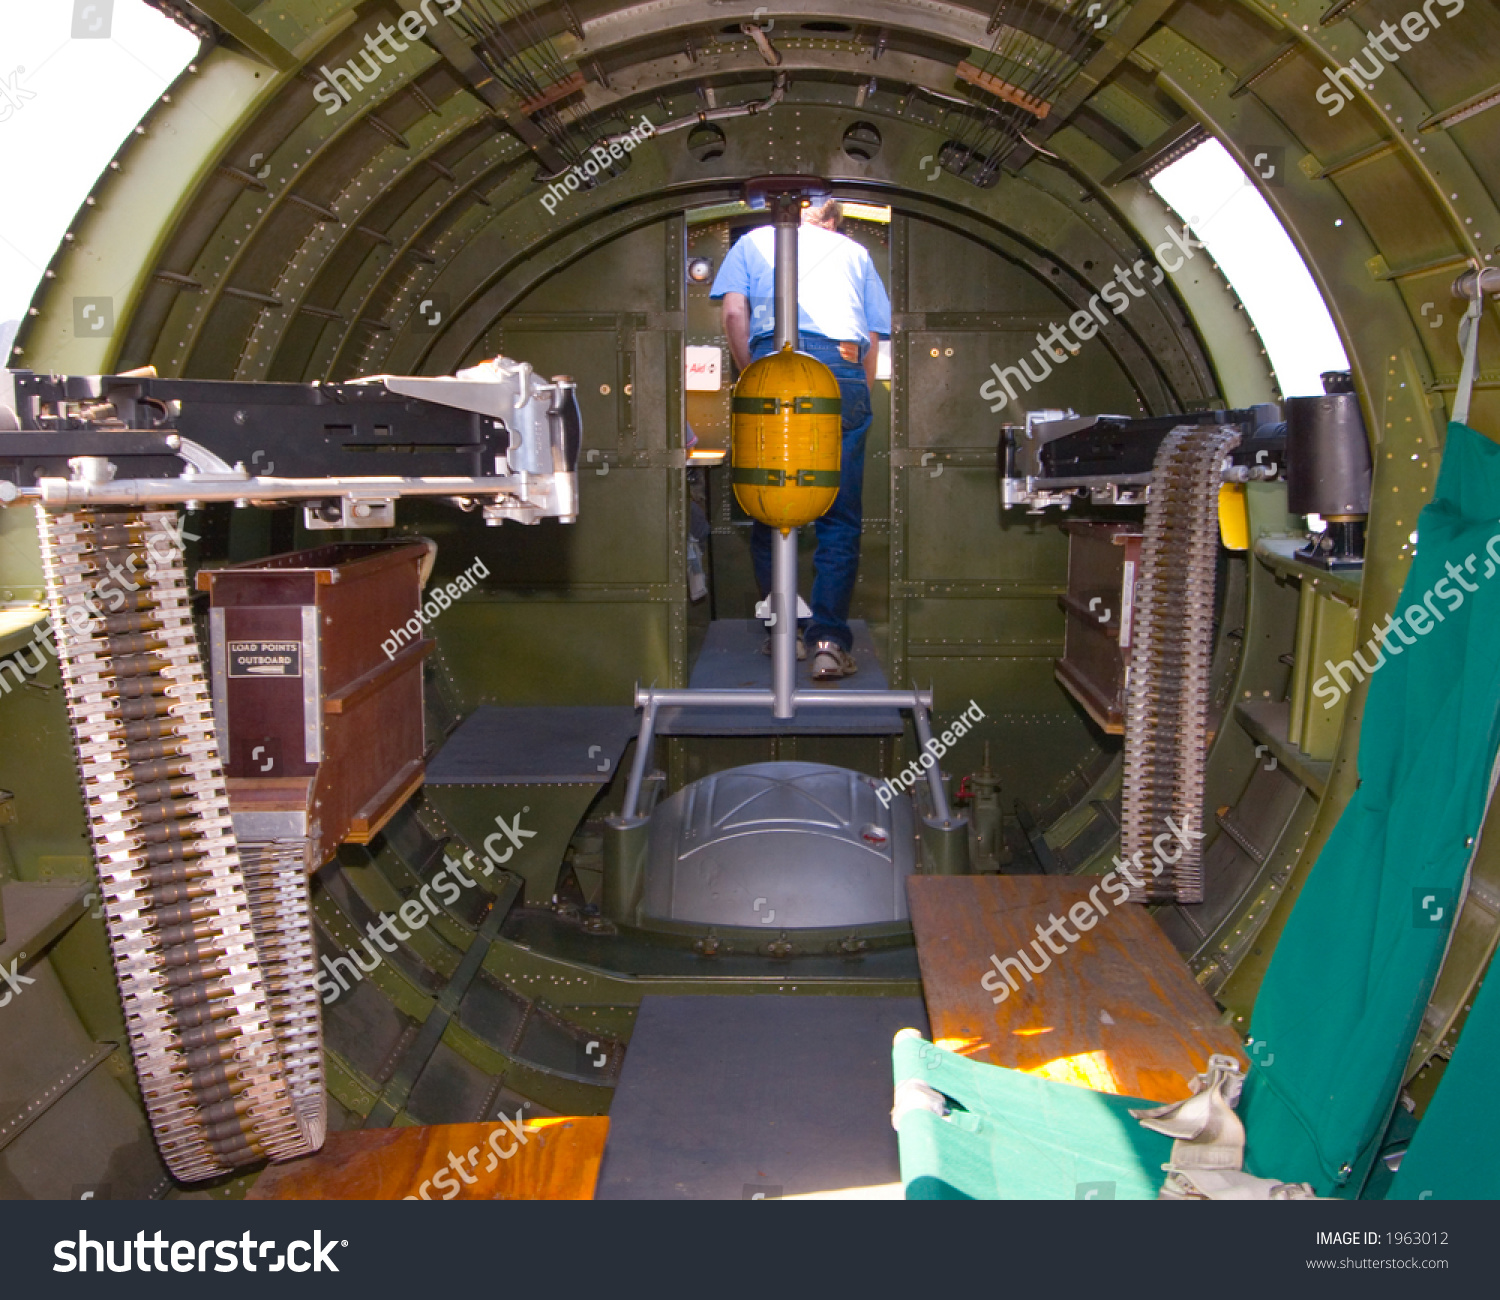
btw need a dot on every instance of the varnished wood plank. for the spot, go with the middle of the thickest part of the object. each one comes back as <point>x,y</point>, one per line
<point>559,1161</point>
<point>370,820</point>
<point>1116,1011</point>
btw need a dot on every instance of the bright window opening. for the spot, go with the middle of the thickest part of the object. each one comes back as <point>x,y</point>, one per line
<point>78,78</point>
<point>1212,193</point>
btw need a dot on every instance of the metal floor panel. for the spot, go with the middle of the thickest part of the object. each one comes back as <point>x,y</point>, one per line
<point>731,659</point>
<point>362,1027</point>
<point>724,1098</point>
<point>68,1125</point>
<point>451,1090</point>
<point>535,745</point>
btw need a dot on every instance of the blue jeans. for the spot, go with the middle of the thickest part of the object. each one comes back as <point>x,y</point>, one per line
<point>836,560</point>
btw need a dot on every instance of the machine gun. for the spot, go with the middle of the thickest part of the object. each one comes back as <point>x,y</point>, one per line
<point>1140,603</point>
<point>494,435</point>
<point>1058,457</point>
<point>210,796</point>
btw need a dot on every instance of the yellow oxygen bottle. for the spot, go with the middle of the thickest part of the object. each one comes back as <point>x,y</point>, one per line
<point>786,439</point>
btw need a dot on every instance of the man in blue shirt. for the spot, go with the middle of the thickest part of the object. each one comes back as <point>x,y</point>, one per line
<point>842,312</point>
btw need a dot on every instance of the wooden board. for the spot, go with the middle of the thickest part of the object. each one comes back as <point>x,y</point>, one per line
<point>559,1161</point>
<point>976,76</point>
<point>1116,1011</point>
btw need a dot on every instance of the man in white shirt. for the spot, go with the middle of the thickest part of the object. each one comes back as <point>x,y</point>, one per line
<point>842,313</point>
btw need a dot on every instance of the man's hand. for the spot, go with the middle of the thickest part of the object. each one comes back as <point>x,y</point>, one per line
<point>872,359</point>
<point>737,328</point>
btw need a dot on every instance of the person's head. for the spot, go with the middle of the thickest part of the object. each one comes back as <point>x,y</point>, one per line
<point>827,214</point>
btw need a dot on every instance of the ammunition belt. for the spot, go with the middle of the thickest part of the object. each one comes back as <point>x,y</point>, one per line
<point>1167,682</point>
<point>212,944</point>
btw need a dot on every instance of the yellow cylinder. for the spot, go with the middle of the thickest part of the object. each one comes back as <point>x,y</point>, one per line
<point>786,439</point>
<point>1234,517</point>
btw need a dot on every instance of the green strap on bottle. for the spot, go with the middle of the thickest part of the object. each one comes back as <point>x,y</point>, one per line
<point>797,405</point>
<point>824,478</point>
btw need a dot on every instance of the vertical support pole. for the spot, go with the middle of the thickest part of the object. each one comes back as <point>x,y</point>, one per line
<point>945,838</point>
<point>643,747</point>
<point>786,211</point>
<point>625,844</point>
<point>784,622</point>
<point>934,777</point>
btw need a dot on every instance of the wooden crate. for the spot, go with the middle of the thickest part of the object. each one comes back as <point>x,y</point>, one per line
<point>321,731</point>
<point>1103,560</point>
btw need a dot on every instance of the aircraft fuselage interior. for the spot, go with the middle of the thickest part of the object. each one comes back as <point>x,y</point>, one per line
<point>681,600</point>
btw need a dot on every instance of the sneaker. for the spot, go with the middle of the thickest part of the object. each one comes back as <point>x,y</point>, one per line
<point>765,648</point>
<point>831,661</point>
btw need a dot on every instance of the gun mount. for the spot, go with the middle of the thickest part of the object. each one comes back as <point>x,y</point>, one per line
<point>494,436</point>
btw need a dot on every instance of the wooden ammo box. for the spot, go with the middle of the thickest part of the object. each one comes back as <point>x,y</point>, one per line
<point>1103,560</point>
<point>321,732</point>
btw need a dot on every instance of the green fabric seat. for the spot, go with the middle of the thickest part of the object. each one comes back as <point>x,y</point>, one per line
<point>1020,1137</point>
<point>1354,968</point>
<point>1346,988</point>
<point>1455,1154</point>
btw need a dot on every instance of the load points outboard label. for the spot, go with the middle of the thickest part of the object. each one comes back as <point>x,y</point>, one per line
<point>265,659</point>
